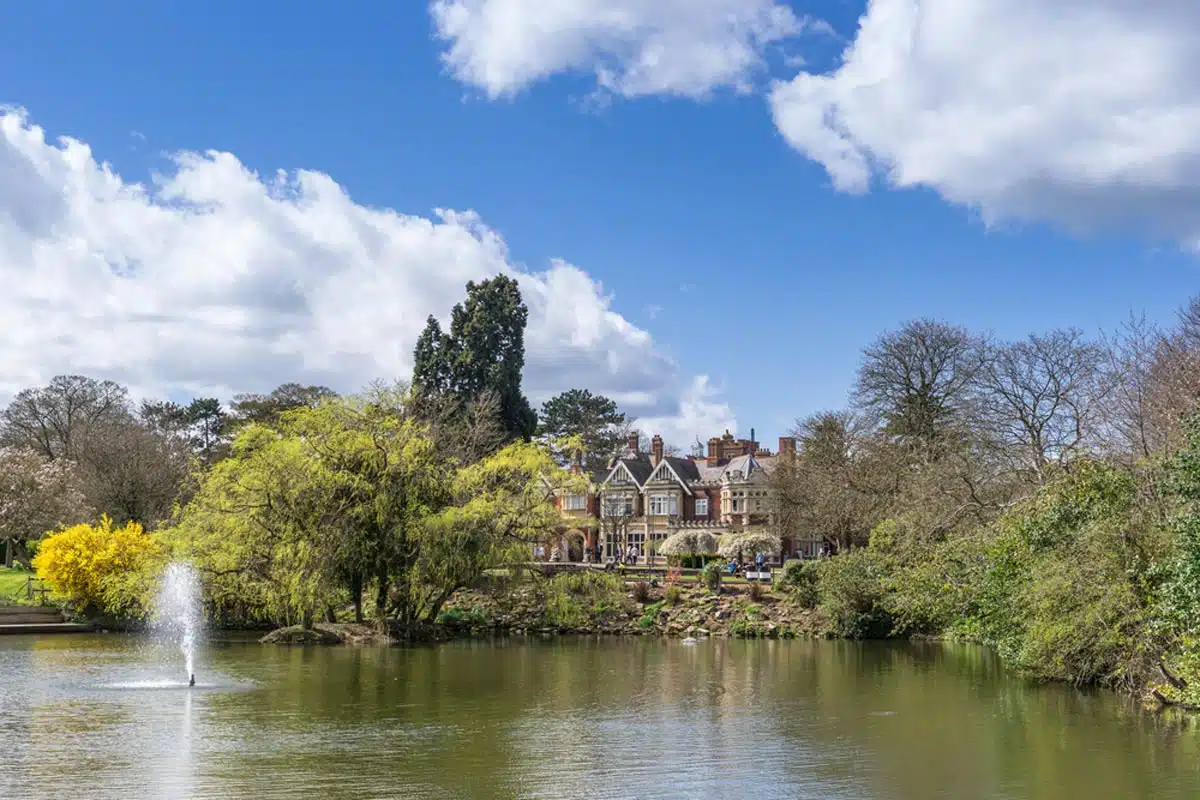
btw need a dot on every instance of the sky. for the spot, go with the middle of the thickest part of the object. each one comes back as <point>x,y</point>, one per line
<point>712,206</point>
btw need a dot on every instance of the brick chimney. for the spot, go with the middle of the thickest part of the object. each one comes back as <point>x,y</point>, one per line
<point>633,442</point>
<point>656,449</point>
<point>787,446</point>
<point>714,452</point>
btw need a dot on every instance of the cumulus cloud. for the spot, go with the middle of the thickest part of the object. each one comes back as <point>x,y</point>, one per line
<point>632,47</point>
<point>211,279</point>
<point>1085,113</point>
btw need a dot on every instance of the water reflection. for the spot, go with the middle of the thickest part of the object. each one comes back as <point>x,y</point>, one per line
<point>564,719</point>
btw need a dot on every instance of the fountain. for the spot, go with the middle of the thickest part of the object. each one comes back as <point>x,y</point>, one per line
<point>177,618</point>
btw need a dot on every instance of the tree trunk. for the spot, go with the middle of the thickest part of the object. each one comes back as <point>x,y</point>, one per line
<point>8,553</point>
<point>381,600</point>
<point>330,615</point>
<point>306,619</point>
<point>356,591</point>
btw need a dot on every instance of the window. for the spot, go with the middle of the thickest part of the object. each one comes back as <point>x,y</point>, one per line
<point>575,502</point>
<point>736,506</point>
<point>662,505</point>
<point>620,506</point>
<point>701,506</point>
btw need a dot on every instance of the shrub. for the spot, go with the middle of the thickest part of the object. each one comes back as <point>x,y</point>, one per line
<point>852,595</point>
<point>756,592</point>
<point>100,567</point>
<point>800,580</point>
<point>573,599</point>
<point>641,592</point>
<point>711,575</point>
<point>672,595</point>
<point>463,618</point>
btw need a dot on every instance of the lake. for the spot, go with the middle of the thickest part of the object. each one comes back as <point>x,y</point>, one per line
<point>97,717</point>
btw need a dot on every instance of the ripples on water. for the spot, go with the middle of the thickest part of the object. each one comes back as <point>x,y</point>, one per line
<point>106,717</point>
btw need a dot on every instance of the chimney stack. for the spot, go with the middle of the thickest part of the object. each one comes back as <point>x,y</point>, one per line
<point>656,450</point>
<point>633,442</point>
<point>787,446</point>
<point>714,452</point>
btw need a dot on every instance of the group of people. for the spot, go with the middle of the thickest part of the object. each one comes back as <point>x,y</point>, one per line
<point>627,557</point>
<point>736,567</point>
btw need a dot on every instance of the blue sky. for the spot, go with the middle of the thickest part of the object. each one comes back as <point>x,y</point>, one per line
<point>703,218</point>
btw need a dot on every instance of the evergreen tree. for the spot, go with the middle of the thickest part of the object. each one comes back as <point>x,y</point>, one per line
<point>594,418</point>
<point>483,352</point>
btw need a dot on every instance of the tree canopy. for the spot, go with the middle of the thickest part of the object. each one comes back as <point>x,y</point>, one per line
<point>594,419</point>
<point>484,352</point>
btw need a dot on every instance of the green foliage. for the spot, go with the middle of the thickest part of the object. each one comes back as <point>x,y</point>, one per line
<point>483,352</point>
<point>1069,587</point>
<point>650,615</point>
<point>574,599</point>
<point>353,493</point>
<point>852,594</point>
<point>473,618</point>
<point>800,581</point>
<point>1179,610</point>
<point>755,592</point>
<point>711,576</point>
<point>594,419</point>
<point>672,595</point>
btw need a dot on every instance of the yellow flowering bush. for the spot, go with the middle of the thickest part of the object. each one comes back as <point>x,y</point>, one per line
<point>90,564</point>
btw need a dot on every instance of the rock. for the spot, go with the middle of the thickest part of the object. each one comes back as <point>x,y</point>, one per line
<point>294,634</point>
<point>702,632</point>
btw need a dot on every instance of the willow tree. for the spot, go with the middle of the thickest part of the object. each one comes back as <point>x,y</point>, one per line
<point>353,494</point>
<point>256,529</point>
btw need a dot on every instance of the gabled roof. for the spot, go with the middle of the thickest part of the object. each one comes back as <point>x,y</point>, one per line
<point>678,470</point>
<point>638,469</point>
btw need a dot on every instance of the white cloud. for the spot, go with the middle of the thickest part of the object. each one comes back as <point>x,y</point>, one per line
<point>1085,113</point>
<point>632,47</point>
<point>213,280</point>
<point>701,415</point>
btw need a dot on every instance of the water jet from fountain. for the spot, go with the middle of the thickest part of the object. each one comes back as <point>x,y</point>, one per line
<point>178,618</point>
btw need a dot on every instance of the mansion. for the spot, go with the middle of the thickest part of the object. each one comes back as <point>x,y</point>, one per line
<point>645,497</point>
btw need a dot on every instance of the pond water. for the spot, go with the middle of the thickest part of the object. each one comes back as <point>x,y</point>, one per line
<point>106,717</point>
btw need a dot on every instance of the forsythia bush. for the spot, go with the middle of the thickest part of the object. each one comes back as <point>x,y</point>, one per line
<point>85,562</point>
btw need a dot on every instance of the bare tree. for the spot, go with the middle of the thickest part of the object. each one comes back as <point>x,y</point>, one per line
<point>821,491</point>
<point>1131,423</point>
<point>915,381</point>
<point>55,419</point>
<point>1041,400</point>
<point>132,473</point>
<point>1174,376</point>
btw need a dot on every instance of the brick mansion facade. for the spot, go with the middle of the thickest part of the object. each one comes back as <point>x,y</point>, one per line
<point>645,497</point>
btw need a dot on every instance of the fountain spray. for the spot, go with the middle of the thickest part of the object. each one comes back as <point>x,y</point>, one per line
<point>178,617</point>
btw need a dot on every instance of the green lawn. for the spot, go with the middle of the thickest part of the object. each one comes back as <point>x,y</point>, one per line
<point>12,586</point>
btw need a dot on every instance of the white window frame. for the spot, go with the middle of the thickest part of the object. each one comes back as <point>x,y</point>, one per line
<point>663,505</point>
<point>575,502</point>
<point>618,506</point>
<point>701,506</point>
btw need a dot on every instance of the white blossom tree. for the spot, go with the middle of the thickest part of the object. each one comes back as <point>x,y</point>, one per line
<point>36,495</point>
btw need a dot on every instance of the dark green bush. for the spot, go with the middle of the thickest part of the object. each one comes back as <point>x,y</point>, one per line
<point>711,575</point>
